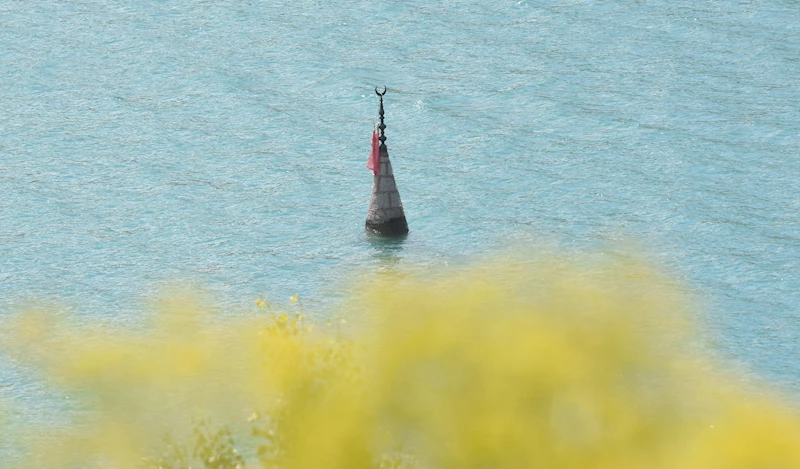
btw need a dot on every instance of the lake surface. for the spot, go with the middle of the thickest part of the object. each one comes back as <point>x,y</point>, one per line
<point>223,143</point>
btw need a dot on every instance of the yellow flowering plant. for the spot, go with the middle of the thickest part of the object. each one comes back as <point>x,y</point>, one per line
<point>502,365</point>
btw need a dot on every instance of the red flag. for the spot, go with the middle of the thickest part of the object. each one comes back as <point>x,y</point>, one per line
<point>374,161</point>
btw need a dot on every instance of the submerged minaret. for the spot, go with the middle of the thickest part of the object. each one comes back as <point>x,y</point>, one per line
<point>385,215</point>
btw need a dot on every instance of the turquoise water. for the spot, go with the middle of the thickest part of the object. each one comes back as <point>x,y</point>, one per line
<point>223,143</point>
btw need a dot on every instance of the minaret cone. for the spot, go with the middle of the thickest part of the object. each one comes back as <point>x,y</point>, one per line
<point>385,215</point>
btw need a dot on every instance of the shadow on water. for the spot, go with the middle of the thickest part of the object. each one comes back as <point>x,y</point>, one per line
<point>387,249</point>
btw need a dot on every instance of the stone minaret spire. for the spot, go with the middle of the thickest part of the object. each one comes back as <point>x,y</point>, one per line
<point>385,215</point>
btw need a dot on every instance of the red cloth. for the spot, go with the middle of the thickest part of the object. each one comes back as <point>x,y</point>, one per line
<point>374,161</point>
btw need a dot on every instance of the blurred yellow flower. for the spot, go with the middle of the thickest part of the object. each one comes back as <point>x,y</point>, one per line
<point>503,366</point>
<point>294,298</point>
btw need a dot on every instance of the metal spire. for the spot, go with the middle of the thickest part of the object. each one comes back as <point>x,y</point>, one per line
<point>382,126</point>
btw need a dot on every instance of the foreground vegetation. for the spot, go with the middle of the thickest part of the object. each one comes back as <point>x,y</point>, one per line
<point>503,366</point>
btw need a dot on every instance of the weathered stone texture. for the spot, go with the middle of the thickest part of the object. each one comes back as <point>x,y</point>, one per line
<point>387,184</point>
<point>385,214</point>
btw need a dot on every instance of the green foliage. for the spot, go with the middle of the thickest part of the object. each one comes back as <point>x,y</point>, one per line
<point>210,449</point>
